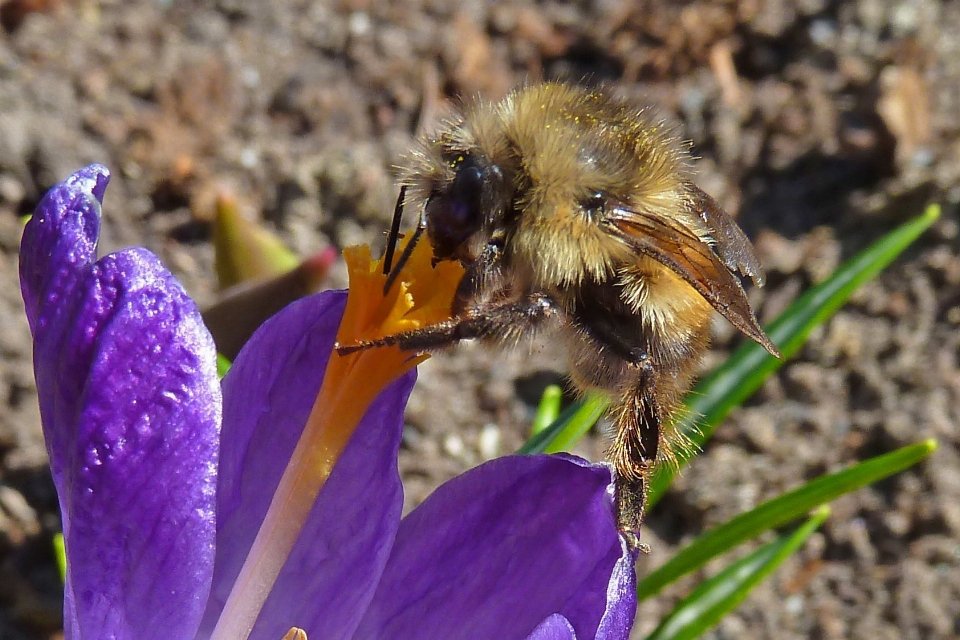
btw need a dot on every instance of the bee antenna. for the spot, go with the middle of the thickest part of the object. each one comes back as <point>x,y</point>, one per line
<point>394,232</point>
<point>402,261</point>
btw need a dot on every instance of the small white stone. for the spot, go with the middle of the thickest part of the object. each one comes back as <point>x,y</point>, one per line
<point>823,33</point>
<point>249,158</point>
<point>794,604</point>
<point>489,441</point>
<point>250,77</point>
<point>453,445</point>
<point>359,23</point>
<point>11,190</point>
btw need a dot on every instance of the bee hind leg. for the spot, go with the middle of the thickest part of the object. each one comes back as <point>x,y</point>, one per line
<point>638,421</point>
<point>631,497</point>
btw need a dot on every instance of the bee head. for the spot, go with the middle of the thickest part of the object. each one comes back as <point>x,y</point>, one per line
<point>458,211</point>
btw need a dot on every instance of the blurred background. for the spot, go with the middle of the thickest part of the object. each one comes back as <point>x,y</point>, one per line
<point>818,124</point>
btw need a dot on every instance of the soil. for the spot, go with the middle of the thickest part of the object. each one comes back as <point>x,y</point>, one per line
<point>820,125</point>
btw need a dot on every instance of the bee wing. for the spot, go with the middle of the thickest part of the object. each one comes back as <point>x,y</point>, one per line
<point>731,244</point>
<point>681,251</point>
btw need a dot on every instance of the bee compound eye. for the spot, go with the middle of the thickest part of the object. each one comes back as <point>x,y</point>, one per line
<point>465,193</point>
<point>455,215</point>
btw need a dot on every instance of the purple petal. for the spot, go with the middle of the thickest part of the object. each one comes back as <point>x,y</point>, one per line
<point>268,394</point>
<point>61,238</point>
<point>57,251</point>
<point>499,549</point>
<point>555,627</point>
<point>130,406</point>
<point>621,605</point>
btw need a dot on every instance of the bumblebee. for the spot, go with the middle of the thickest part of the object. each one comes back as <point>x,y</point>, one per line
<point>571,211</point>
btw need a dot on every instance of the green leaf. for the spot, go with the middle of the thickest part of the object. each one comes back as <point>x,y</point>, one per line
<point>243,250</point>
<point>60,553</point>
<point>548,410</point>
<point>566,430</point>
<point>743,373</point>
<point>223,365</point>
<point>721,594</point>
<point>779,511</point>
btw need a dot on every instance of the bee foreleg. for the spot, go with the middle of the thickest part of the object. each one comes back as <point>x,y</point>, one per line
<point>503,321</point>
<point>483,275</point>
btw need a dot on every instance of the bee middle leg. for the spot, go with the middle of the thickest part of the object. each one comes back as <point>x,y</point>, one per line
<point>505,321</point>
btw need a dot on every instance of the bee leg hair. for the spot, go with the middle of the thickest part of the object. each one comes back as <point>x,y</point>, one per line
<point>507,322</point>
<point>638,418</point>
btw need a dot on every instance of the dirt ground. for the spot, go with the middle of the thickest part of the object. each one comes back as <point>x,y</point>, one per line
<point>820,125</point>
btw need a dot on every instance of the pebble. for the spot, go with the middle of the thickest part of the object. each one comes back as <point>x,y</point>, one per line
<point>13,503</point>
<point>359,23</point>
<point>488,443</point>
<point>453,445</point>
<point>11,191</point>
<point>794,604</point>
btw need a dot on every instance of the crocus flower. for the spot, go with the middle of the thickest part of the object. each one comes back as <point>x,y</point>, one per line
<point>195,510</point>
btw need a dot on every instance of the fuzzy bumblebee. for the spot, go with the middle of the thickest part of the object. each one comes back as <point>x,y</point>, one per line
<point>571,212</point>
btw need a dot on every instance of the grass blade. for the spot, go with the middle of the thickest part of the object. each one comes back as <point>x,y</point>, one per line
<point>548,410</point>
<point>721,594</point>
<point>743,373</point>
<point>60,553</point>
<point>779,511</point>
<point>566,430</point>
